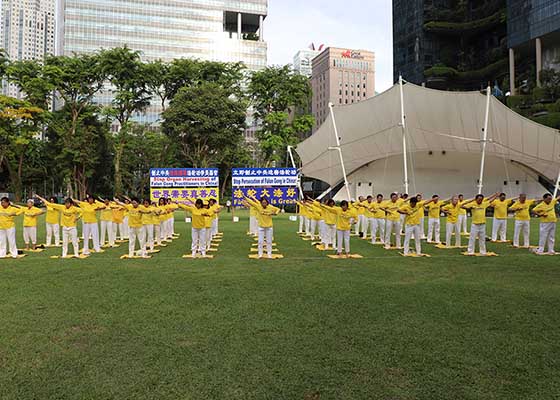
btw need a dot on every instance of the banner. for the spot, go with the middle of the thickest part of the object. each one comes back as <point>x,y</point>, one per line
<point>277,195</point>
<point>181,184</point>
<point>279,185</point>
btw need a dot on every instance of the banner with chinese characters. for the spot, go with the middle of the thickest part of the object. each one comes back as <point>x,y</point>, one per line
<point>279,185</point>
<point>182,184</point>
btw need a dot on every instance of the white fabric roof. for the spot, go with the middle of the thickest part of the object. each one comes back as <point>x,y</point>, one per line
<point>435,120</point>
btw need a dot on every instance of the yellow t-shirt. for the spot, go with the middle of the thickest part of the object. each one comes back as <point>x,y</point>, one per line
<point>135,215</point>
<point>478,211</point>
<point>107,214</point>
<point>500,208</point>
<point>89,211</point>
<point>208,220</point>
<point>53,216</point>
<point>453,212</point>
<point>6,219</point>
<point>344,218</point>
<point>30,216</point>
<point>264,215</point>
<point>548,210</point>
<point>329,215</point>
<point>360,207</point>
<point>315,212</point>
<point>214,210</point>
<point>392,209</point>
<point>118,213</point>
<point>171,208</point>
<point>368,209</point>
<point>69,215</point>
<point>198,215</point>
<point>521,210</point>
<point>148,219</point>
<point>302,210</point>
<point>434,209</point>
<point>413,214</point>
<point>462,211</point>
<point>377,212</point>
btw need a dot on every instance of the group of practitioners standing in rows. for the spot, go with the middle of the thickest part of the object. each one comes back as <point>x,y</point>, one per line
<point>401,215</point>
<point>145,223</point>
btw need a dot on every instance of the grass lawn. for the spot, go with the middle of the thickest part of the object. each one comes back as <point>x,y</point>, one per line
<point>305,327</point>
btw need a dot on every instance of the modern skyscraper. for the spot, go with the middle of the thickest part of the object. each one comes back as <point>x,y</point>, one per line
<point>303,61</point>
<point>341,76</point>
<point>533,34</point>
<point>27,32</point>
<point>450,44</point>
<point>216,30</point>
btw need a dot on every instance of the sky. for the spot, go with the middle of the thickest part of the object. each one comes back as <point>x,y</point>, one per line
<point>292,25</point>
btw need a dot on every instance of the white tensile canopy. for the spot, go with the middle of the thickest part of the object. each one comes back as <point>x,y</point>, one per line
<point>434,121</point>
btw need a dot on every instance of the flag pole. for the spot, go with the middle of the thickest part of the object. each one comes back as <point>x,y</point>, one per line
<point>337,148</point>
<point>484,140</point>
<point>403,126</point>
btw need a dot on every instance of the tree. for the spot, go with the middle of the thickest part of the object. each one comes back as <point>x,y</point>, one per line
<point>35,80</point>
<point>281,100</point>
<point>205,121</point>
<point>18,132</point>
<point>158,81</point>
<point>127,74</point>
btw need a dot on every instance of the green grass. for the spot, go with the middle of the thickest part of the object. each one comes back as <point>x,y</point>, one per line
<point>306,327</point>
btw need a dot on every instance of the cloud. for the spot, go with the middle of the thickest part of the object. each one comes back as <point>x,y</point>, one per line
<point>292,25</point>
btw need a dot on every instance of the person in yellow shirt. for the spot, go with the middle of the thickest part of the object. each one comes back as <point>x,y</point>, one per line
<point>346,216</point>
<point>403,197</point>
<point>434,225</point>
<point>52,224</point>
<point>148,225</point>
<point>30,215</point>
<point>125,219</point>
<point>198,226</point>
<point>302,218</point>
<point>463,214</point>
<point>452,210</point>
<point>393,220</point>
<point>135,228</point>
<point>361,224</point>
<point>546,210</point>
<point>329,223</point>
<point>89,220</point>
<point>8,227</point>
<point>171,220</point>
<point>478,227</point>
<point>306,212</point>
<point>69,219</point>
<point>315,216</point>
<point>107,230</point>
<point>215,209</point>
<point>162,216</point>
<point>377,219</point>
<point>499,223</point>
<point>413,211</point>
<point>117,221</point>
<point>265,212</point>
<point>522,217</point>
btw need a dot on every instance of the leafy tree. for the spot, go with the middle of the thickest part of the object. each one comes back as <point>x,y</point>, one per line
<point>205,121</point>
<point>18,133</point>
<point>279,97</point>
<point>159,81</point>
<point>35,80</point>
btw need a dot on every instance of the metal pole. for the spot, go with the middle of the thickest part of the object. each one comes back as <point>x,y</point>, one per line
<point>484,140</point>
<point>557,187</point>
<point>340,151</point>
<point>291,156</point>
<point>403,126</point>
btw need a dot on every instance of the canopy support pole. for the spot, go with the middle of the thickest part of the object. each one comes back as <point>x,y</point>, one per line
<point>557,187</point>
<point>337,148</point>
<point>484,140</point>
<point>322,195</point>
<point>403,126</point>
<point>291,157</point>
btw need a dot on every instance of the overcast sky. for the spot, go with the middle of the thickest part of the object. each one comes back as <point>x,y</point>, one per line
<point>357,24</point>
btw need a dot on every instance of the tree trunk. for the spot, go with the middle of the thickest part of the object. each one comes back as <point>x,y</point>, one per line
<point>224,185</point>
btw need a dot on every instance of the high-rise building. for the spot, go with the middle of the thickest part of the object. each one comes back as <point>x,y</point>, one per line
<point>534,36</point>
<point>341,76</point>
<point>303,61</point>
<point>27,32</point>
<point>450,44</point>
<point>215,30</point>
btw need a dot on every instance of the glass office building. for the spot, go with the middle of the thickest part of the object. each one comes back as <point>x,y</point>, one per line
<point>216,30</point>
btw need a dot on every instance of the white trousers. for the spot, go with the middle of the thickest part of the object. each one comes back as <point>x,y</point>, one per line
<point>169,227</point>
<point>133,234</point>
<point>377,224</point>
<point>157,233</point>
<point>253,225</point>
<point>361,225</point>
<point>70,235</point>
<point>463,223</point>
<point>301,223</point>
<point>8,239</point>
<point>91,230</point>
<point>215,224</point>
<point>307,225</point>
<point>118,228</point>
<point>198,241</point>
<point>402,218</point>
<point>499,227</point>
<point>208,240</point>
<point>547,236</point>
<point>30,234</point>
<point>149,236</point>
<point>53,230</point>
<point>322,232</point>
<point>107,231</point>
<point>422,228</point>
<point>330,235</point>
<point>478,231</point>
<point>391,226</point>
<point>416,232</point>
<point>521,227</point>
<point>172,224</point>
<point>125,227</point>
<point>449,229</point>
<point>265,234</point>
<point>434,226</point>
<point>162,230</point>
<point>313,227</point>
<point>343,237</point>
